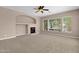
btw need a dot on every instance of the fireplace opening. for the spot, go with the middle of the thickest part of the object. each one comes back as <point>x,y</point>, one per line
<point>32,29</point>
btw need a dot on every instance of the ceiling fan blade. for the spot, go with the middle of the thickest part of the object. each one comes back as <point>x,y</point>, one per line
<point>41,11</point>
<point>36,11</point>
<point>46,9</point>
<point>36,8</point>
<point>40,7</point>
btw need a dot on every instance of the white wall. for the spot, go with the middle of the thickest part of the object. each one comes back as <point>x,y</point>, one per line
<point>24,19</point>
<point>21,29</point>
<point>8,27</point>
<point>7,23</point>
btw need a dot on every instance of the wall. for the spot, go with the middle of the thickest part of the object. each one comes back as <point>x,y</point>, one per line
<point>22,21</point>
<point>75,20</point>
<point>7,23</point>
<point>25,19</point>
<point>21,29</point>
<point>8,27</point>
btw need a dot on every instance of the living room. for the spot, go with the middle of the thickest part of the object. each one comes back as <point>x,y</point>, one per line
<point>39,28</point>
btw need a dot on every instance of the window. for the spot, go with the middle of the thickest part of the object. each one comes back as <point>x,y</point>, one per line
<point>55,24</point>
<point>67,24</point>
<point>63,24</point>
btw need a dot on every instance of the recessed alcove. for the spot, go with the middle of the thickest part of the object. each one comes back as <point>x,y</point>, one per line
<point>25,25</point>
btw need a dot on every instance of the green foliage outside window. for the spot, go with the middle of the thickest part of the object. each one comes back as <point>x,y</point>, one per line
<point>55,23</point>
<point>58,25</point>
<point>67,21</point>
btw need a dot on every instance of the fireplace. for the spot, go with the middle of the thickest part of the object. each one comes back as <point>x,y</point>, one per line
<point>32,30</point>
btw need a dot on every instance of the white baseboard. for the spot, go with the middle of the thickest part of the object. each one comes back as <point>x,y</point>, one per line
<point>75,37</point>
<point>20,34</point>
<point>7,38</point>
<point>68,36</point>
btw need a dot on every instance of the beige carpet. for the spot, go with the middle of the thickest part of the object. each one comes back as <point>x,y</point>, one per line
<point>41,43</point>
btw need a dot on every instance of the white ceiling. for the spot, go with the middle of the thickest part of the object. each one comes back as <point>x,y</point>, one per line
<point>52,9</point>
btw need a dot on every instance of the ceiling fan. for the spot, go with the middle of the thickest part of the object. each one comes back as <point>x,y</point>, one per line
<point>41,9</point>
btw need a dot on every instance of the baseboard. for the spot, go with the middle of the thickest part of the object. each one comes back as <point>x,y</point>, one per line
<point>68,36</point>
<point>75,37</point>
<point>7,38</point>
<point>20,34</point>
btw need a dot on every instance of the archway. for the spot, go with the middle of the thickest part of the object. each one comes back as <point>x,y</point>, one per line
<point>25,19</point>
<point>23,24</point>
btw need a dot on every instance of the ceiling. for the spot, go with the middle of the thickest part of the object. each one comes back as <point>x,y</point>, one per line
<point>52,9</point>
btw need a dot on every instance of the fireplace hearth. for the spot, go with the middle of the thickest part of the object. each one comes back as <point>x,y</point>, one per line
<point>32,30</point>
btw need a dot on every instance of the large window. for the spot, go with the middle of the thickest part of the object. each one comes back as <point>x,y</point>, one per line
<point>55,24</point>
<point>63,24</point>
